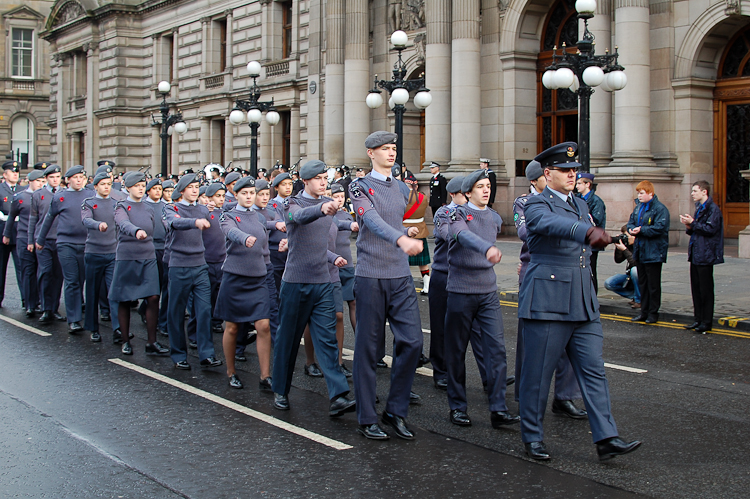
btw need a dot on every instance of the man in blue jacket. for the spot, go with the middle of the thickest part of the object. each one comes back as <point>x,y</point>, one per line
<point>706,249</point>
<point>649,223</point>
<point>597,210</point>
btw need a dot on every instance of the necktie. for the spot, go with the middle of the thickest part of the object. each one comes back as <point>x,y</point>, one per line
<point>572,204</point>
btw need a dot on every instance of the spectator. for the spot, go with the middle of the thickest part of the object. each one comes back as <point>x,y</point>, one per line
<point>706,249</point>
<point>585,187</point>
<point>649,223</point>
<point>625,285</point>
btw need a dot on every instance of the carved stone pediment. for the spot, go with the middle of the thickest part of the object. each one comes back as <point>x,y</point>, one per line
<point>23,12</point>
<point>69,12</point>
<point>407,15</point>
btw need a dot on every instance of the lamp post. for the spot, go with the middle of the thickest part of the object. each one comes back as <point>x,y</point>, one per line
<point>254,109</point>
<point>399,89</point>
<point>582,71</point>
<point>167,121</point>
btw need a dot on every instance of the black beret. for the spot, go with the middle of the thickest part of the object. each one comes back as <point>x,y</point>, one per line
<point>243,183</point>
<point>377,139</point>
<point>99,177</point>
<point>474,177</point>
<point>261,184</point>
<point>202,190</point>
<point>74,171</point>
<point>280,178</point>
<point>51,169</point>
<point>336,187</point>
<point>312,169</point>
<point>534,170</point>
<point>185,181</point>
<point>455,184</point>
<point>212,189</point>
<point>233,177</point>
<point>103,169</point>
<point>133,178</point>
<point>168,184</point>
<point>35,175</point>
<point>153,183</point>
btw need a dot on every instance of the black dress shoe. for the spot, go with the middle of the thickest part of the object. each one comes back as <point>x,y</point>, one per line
<point>281,402</point>
<point>381,364</point>
<point>341,405</point>
<point>116,337</point>
<point>217,328</point>
<point>74,328</point>
<point>373,432</point>
<point>156,348</point>
<point>510,380</point>
<point>127,349</point>
<point>503,418</point>
<point>423,360</point>
<point>652,319</point>
<point>162,332</point>
<point>398,424</point>
<point>59,317</point>
<point>192,344</point>
<point>460,418</point>
<point>568,408</point>
<point>265,385</point>
<point>211,362</point>
<point>345,370</point>
<point>235,382</point>
<point>313,371</point>
<point>414,398</point>
<point>249,340</point>
<point>30,313</point>
<point>183,364</point>
<point>611,447</point>
<point>105,318</point>
<point>240,358</point>
<point>638,318</point>
<point>45,318</point>
<point>441,384</point>
<point>702,328</point>
<point>693,325</point>
<point>537,450</point>
<point>96,337</point>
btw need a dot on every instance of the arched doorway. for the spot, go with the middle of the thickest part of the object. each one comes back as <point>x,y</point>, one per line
<point>732,133</point>
<point>557,110</point>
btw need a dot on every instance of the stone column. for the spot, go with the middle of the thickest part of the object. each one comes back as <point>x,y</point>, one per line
<point>266,30</point>
<point>205,153</point>
<point>75,144</point>
<point>465,85</point>
<point>229,63</point>
<point>205,50</point>
<point>228,145</point>
<point>155,149</point>
<point>356,82</point>
<point>438,79</point>
<point>633,103</point>
<point>174,166</point>
<point>91,146</point>
<point>58,60</point>
<point>334,106</point>
<point>601,101</point>
<point>265,145</point>
<point>294,135</point>
<point>156,58</point>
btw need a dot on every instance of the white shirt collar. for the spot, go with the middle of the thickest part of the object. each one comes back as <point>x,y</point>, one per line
<point>379,176</point>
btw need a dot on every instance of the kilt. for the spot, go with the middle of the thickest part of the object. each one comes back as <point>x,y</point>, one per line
<point>242,299</point>
<point>133,280</point>
<point>423,258</point>
<point>346,275</point>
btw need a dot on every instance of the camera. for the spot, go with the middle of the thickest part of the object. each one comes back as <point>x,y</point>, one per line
<point>621,238</point>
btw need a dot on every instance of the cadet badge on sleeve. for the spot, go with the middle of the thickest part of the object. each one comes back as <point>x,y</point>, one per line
<point>355,190</point>
<point>452,214</point>
<point>361,211</point>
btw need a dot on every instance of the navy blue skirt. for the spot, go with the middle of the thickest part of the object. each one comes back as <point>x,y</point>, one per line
<point>242,299</point>
<point>346,275</point>
<point>134,279</point>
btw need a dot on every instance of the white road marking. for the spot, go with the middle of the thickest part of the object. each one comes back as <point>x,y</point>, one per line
<point>24,326</point>
<point>283,425</point>
<point>625,368</point>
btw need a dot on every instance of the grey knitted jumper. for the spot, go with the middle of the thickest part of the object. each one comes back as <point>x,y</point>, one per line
<point>237,225</point>
<point>94,211</point>
<point>130,217</point>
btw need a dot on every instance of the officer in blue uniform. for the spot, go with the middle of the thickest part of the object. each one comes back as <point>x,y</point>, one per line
<point>7,191</point>
<point>558,304</point>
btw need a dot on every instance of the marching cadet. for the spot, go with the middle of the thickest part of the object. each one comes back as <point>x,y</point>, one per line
<point>167,188</point>
<point>108,166</point>
<point>283,184</point>
<point>243,296</point>
<point>597,209</point>
<point>306,293</point>
<point>153,200</point>
<point>231,178</point>
<point>472,295</point>
<point>565,313</point>
<point>7,191</point>
<point>71,242</point>
<point>21,210</point>
<point>346,225</point>
<point>566,385</point>
<point>383,276</point>
<point>484,164</point>
<point>136,274</point>
<point>188,274</point>
<point>98,216</point>
<point>360,173</point>
<point>438,188</point>
<point>202,198</point>
<point>49,273</point>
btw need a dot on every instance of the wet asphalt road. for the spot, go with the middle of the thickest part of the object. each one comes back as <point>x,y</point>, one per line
<point>76,424</point>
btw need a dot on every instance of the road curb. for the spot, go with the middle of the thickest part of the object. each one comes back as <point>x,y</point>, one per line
<point>730,322</point>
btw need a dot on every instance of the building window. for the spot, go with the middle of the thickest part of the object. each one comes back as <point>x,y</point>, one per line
<point>22,141</point>
<point>217,61</point>
<point>168,58</point>
<point>286,31</point>
<point>79,73</point>
<point>22,53</point>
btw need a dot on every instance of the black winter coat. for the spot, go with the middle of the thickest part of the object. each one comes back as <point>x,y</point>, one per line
<point>652,242</point>
<point>706,233</point>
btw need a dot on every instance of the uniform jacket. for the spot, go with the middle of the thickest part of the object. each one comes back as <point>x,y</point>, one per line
<point>416,218</point>
<point>558,285</point>
<point>706,233</point>
<point>519,219</point>
<point>438,191</point>
<point>20,210</point>
<point>6,200</point>
<point>652,242</point>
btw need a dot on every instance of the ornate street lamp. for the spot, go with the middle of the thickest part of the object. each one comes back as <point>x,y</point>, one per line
<point>580,72</point>
<point>168,124</point>
<point>399,89</point>
<point>254,109</point>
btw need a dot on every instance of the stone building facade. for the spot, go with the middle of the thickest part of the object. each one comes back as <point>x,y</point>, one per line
<point>24,82</point>
<point>684,114</point>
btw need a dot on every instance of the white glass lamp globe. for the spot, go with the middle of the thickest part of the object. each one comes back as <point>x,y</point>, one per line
<point>422,99</point>
<point>564,77</point>
<point>574,87</point>
<point>400,96</point>
<point>548,79</point>
<point>391,104</point>
<point>272,117</point>
<point>586,6</point>
<point>605,84</point>
<point>180,127</point>
<point>254,116</point>
<point>253,68</point>
<point>164,87</point>
<point>399,38</point>
<point>236,117</point>
<point>374,100</point>
<point>593,76</point>
<point>617,80</point>
<point>170,131</point>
